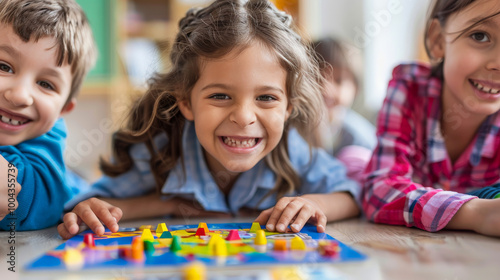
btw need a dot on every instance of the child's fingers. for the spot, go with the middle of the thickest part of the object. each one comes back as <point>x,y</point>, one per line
<point>321,224</point>
<point>276,214</point>
<point>105,216</point>
<point>264,216</point>
<point>293,210</point>
<point>70,223</point>
<point>302,217</point>
<point>63,232</point>
<point>88,217</point>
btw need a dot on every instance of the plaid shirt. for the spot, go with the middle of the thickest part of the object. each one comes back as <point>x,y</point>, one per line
<point>322,174</point>
<point>410,179</point>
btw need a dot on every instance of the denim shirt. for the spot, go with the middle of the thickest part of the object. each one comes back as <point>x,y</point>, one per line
<point>324,174</point>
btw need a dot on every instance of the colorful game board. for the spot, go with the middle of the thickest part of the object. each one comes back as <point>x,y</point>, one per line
<point>212,245</point>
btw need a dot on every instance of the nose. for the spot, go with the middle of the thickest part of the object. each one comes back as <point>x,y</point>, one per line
<point>243,115</point>
<point>19,95</point>
<point>494,61</point>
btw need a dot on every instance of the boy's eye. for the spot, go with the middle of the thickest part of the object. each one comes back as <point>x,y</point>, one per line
<point>5,68</point>
<point>266,98</point>
<point>46,85</point>
<point>480,37</point>
<point>219,96</point>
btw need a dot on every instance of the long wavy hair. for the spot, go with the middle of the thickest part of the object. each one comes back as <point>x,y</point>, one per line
<point>212,32</point>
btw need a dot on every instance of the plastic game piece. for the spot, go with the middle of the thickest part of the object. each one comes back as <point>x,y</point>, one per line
<point>73,258</point>
<point>195,271</point>
<point>88,239</point>
<point>166,234</point>
<point>280,245</point>
<point>233,235</point>
<point>176,244</point>
<point>328,248</point>
<point>161,229</point>
<point>212,241</point>
<point>147,235</point>
<point>137,249</point>
<point>143,227</point>
<point>149,247</point>
<point>260,238</point>
<point>255,227</point>
<point>297,243</point>
<point>285,273</point>
<point>201,232</point>
<point>220,248</point>
<point>204,225</point>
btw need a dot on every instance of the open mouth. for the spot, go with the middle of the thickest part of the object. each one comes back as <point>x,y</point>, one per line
<point>12,121</point>
<point>240,142</point>
<point>484,88</point>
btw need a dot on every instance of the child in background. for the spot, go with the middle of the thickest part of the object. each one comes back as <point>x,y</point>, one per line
<point>216,131</point>
<point>343,132</point>
<point>438,130</point>
<point>46,49</point>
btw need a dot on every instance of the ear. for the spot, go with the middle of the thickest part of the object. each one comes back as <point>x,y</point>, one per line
<point>69,106</point>
<point>288,111</point>
<point>186,110</point>
<point>435,40</point>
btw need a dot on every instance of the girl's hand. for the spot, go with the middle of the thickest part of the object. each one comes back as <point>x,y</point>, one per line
<point>293,211</point>
<point>479,215</point>
<point>94,213</point>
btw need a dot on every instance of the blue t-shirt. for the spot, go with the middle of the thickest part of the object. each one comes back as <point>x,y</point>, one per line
<point>322,174</point>
<point>41,174</point>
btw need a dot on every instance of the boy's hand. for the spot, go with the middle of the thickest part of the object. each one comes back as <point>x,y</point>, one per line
<point>94,213</point>
<point>9,188</point>
<point>293,211</point>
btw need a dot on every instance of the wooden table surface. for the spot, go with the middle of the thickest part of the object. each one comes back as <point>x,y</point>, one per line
<point>394,252</point>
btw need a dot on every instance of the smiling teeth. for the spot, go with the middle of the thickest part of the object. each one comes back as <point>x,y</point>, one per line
<point>11,121</point>
<point>486,89</point>
<point>240,144</point>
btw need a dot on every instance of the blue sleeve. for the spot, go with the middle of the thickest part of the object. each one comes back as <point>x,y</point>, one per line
<point>319,171</point>
<point>41,174</point>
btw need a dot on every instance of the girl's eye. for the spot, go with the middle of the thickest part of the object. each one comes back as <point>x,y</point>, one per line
<point>480,37</point>
<point>219,96</point>
<point>5,68</point>
<point>46,85</point>
<point>266,98</point>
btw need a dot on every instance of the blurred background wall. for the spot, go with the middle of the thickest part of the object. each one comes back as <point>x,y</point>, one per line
<point>133,38</point>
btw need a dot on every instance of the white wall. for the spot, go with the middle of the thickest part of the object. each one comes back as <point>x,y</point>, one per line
<point>383,33</point>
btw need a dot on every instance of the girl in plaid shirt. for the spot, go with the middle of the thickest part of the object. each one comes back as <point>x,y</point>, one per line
<point>214,133</point>
<point>438,131</point>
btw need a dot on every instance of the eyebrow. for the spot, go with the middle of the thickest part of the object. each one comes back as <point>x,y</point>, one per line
<point>10,50</point>
<point>226,87</point>
<point>477,21</point>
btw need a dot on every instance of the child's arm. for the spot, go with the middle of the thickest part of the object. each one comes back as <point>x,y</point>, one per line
<point>390,194</point>
<point>41,173</point>
<point>480,215</point>
<point>96,212</point>
<point>317,209</point>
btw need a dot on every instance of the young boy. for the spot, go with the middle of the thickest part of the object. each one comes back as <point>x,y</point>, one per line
<point>46,49</point>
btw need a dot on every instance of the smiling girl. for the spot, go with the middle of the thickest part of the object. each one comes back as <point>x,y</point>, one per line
<point>216,134</point>
<point>438,131</point>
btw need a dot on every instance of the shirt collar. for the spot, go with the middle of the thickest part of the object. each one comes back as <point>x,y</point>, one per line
<point>198,181</point>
